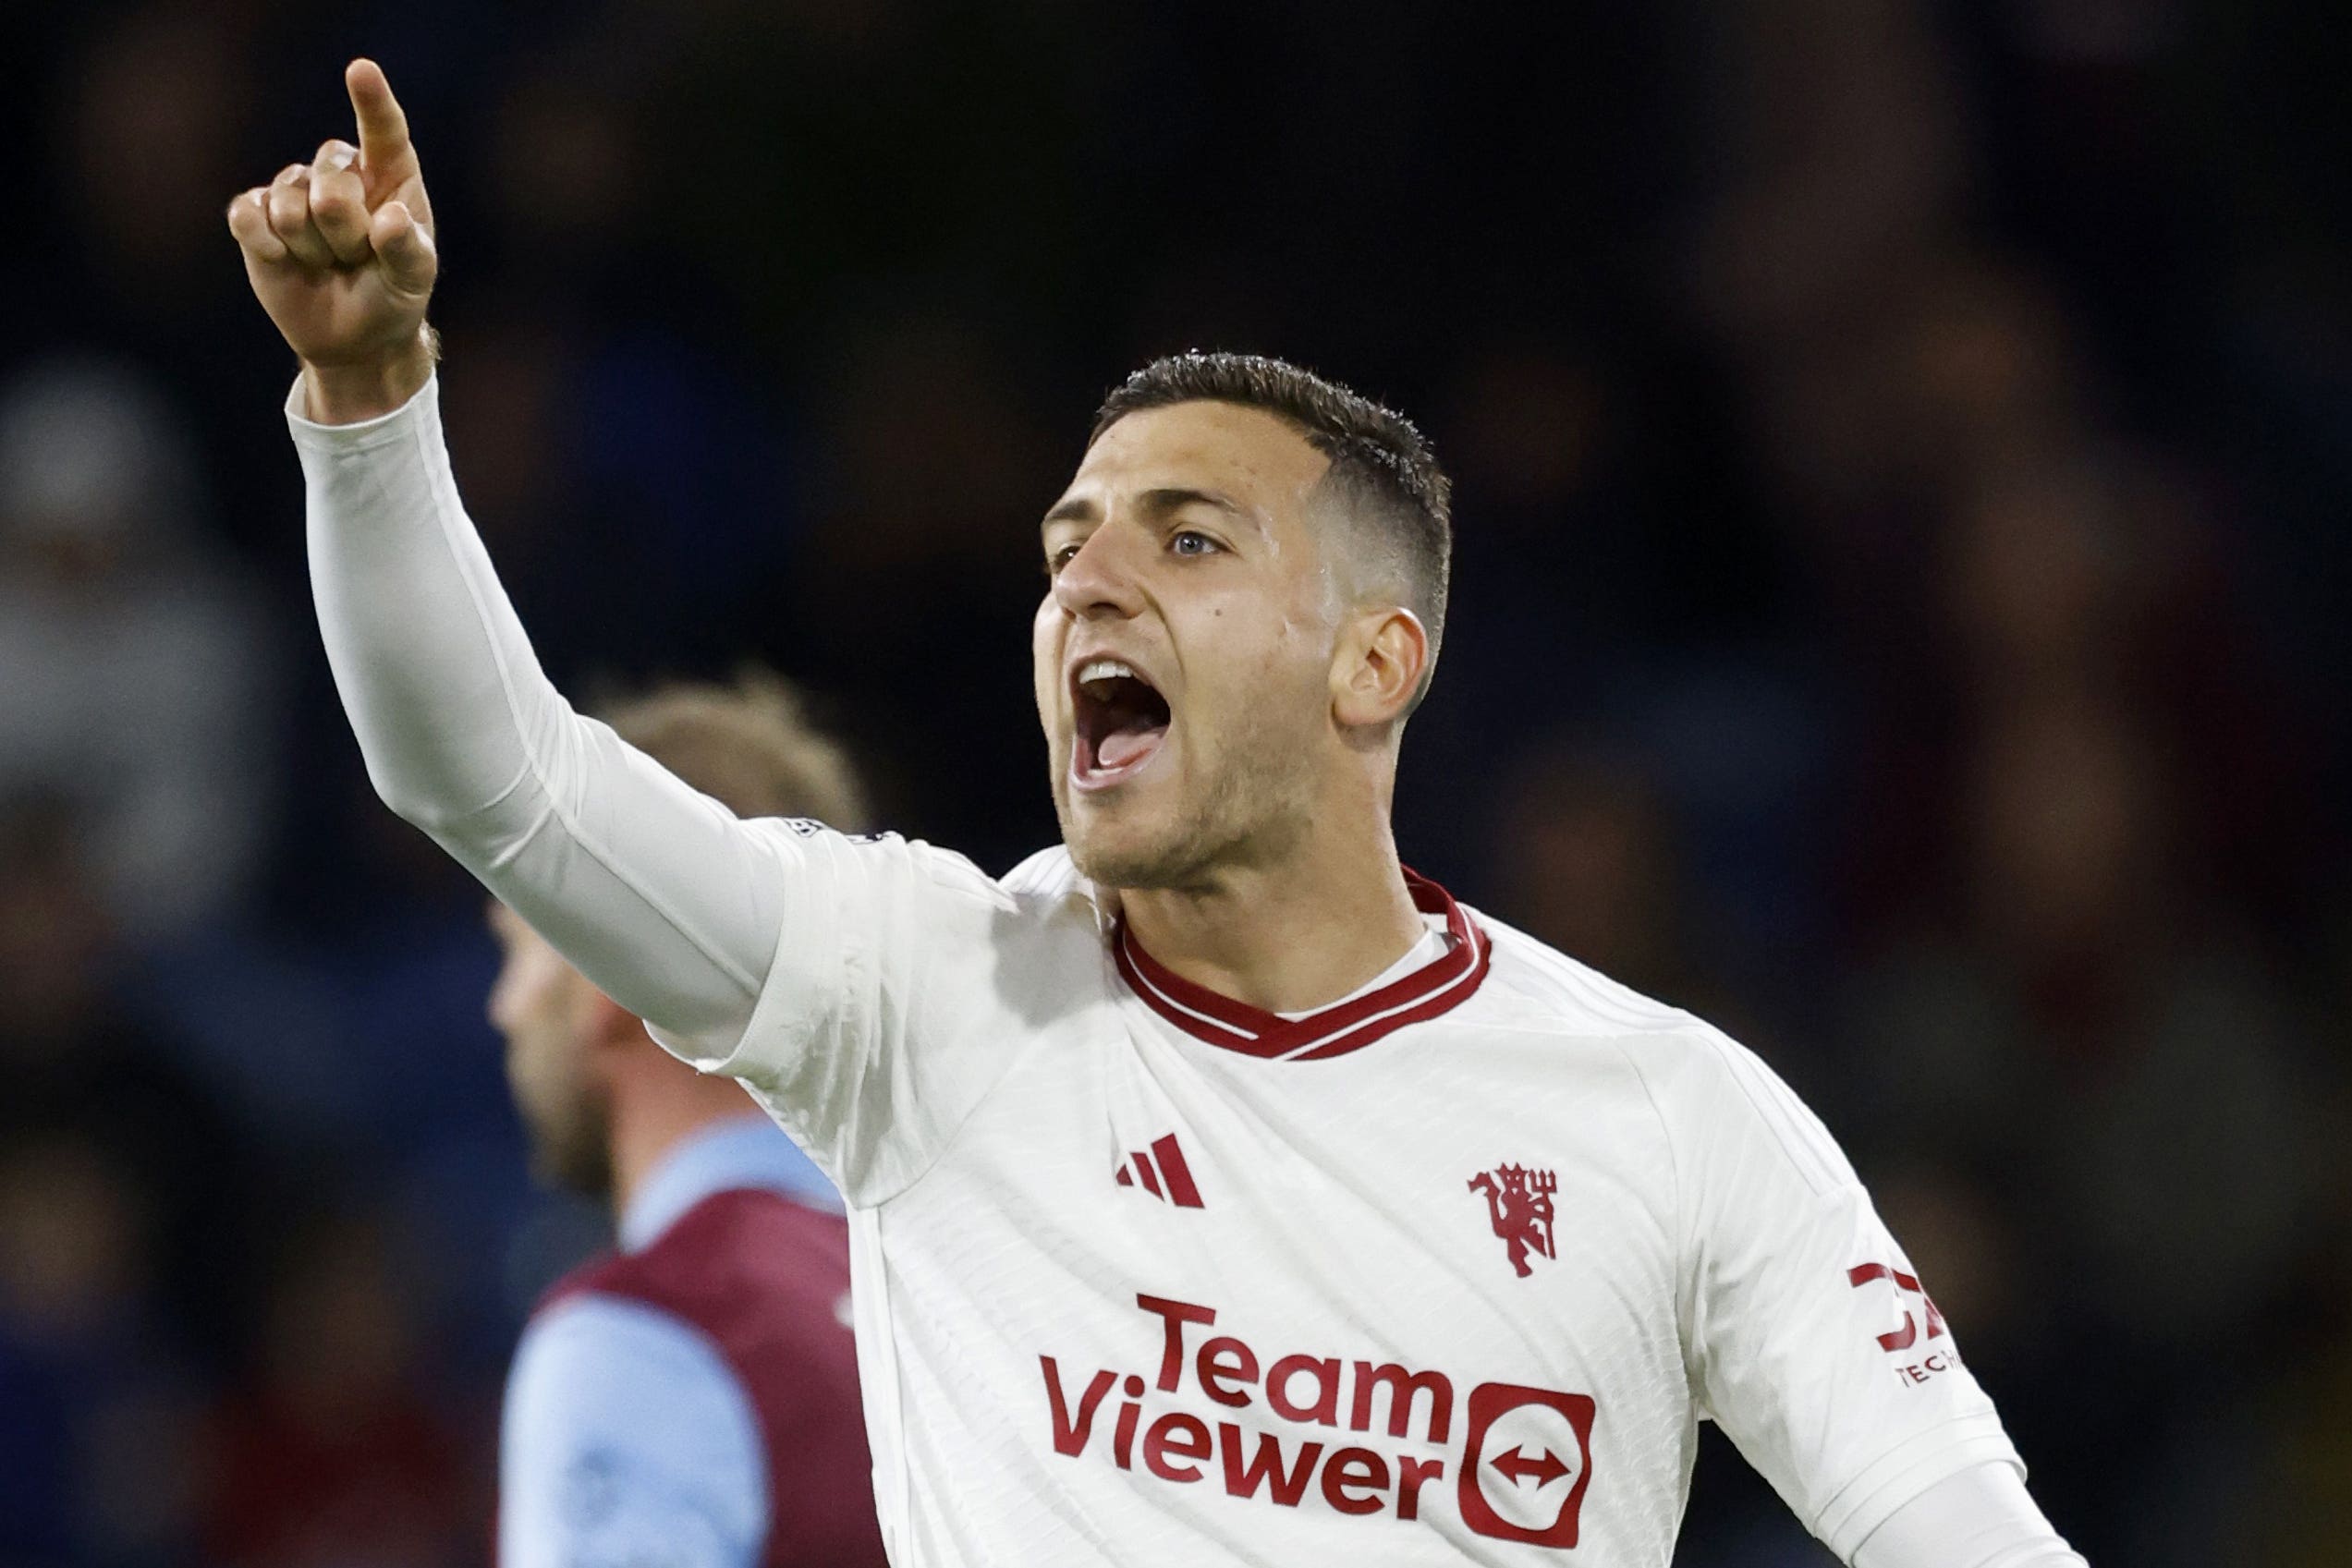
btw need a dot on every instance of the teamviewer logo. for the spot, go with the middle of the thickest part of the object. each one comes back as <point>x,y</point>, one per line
<point>1528,1459</point>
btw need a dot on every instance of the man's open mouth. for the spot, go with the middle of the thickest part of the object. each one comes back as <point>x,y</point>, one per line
<point>1122,718</point>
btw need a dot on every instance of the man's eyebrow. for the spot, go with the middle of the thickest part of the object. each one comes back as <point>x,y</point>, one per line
<point>1169,498</point>
<point>1157,502</point>
<point>1070,509</point>
<point>1173,498</point>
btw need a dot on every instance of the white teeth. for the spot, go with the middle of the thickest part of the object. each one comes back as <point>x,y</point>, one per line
<point>1104,670</point>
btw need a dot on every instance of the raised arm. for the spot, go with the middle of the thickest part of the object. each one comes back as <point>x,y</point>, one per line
<point>657,893</point>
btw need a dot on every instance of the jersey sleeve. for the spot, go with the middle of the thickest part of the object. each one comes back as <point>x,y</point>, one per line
<point>626,1440</point>
<point>902,981</point>
<point>1810,1338</point>
<point>656,892</point>
<point>1980,1517</point>
<point>840,979</point>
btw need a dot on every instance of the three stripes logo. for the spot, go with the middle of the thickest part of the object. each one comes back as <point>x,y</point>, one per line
<point>1163,1173</point>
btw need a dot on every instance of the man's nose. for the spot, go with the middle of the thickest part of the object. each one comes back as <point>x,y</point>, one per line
<point>1100,581</point>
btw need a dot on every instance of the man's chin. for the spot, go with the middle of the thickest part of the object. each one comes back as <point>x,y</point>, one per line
<point>573,1161</point>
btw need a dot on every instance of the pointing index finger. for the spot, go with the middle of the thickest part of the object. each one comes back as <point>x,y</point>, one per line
<point>383,129</point>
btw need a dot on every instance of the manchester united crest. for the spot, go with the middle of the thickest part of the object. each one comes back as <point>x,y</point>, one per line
<point>1518,1204</point>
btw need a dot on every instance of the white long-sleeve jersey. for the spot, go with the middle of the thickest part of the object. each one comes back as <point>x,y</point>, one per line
<point>1446,1272</point>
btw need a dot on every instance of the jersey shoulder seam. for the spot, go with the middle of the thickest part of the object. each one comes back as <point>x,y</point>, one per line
<point>1542,976</point>
<point>1683,1247</point>
<point>1778,1110</point>
<point>1041,905</point>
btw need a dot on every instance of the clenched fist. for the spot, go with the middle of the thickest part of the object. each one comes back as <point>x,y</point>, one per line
<point>340,252</point>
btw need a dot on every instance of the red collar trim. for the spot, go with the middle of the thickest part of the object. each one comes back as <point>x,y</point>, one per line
<point>1436,987</point>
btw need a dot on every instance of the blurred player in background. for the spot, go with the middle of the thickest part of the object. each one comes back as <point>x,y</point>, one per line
<point>1219,1190</point>
<point>691,1399</point>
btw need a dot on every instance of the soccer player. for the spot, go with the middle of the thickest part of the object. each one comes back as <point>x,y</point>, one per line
<point>1219,1191</point>
<point>692,1398</point>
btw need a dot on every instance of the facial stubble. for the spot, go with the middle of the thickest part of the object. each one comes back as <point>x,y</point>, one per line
<point>1252,808</point>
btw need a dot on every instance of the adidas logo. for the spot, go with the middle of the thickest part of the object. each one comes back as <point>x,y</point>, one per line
<point>1163,1173</point>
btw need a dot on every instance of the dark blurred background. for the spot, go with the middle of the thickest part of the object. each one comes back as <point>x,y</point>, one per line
<point>1904,456</point>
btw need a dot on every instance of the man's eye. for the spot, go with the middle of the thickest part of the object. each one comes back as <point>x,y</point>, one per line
<point>1192,543</point>
<point>1058,559</point>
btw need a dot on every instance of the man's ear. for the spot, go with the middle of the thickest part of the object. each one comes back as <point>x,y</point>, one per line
<point>1382,653</point>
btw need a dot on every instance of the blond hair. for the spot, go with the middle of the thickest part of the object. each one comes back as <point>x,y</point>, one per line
<point>748,745</point>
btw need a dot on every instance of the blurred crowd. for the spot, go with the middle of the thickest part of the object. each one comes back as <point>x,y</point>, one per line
<point>1904,462</point>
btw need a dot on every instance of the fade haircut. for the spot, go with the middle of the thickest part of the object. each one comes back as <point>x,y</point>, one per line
<point>1384,474</point>
<point>748,745</point>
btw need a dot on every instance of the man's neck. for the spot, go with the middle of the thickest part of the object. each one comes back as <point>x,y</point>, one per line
<point>646,1127</point>
<point>1288,937</point>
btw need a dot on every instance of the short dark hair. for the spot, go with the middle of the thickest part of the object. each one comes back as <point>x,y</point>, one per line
<point>747,745</point>
<point>1382,467</point>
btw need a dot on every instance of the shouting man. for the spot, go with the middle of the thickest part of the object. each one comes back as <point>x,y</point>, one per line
<point>1219,1191</point>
